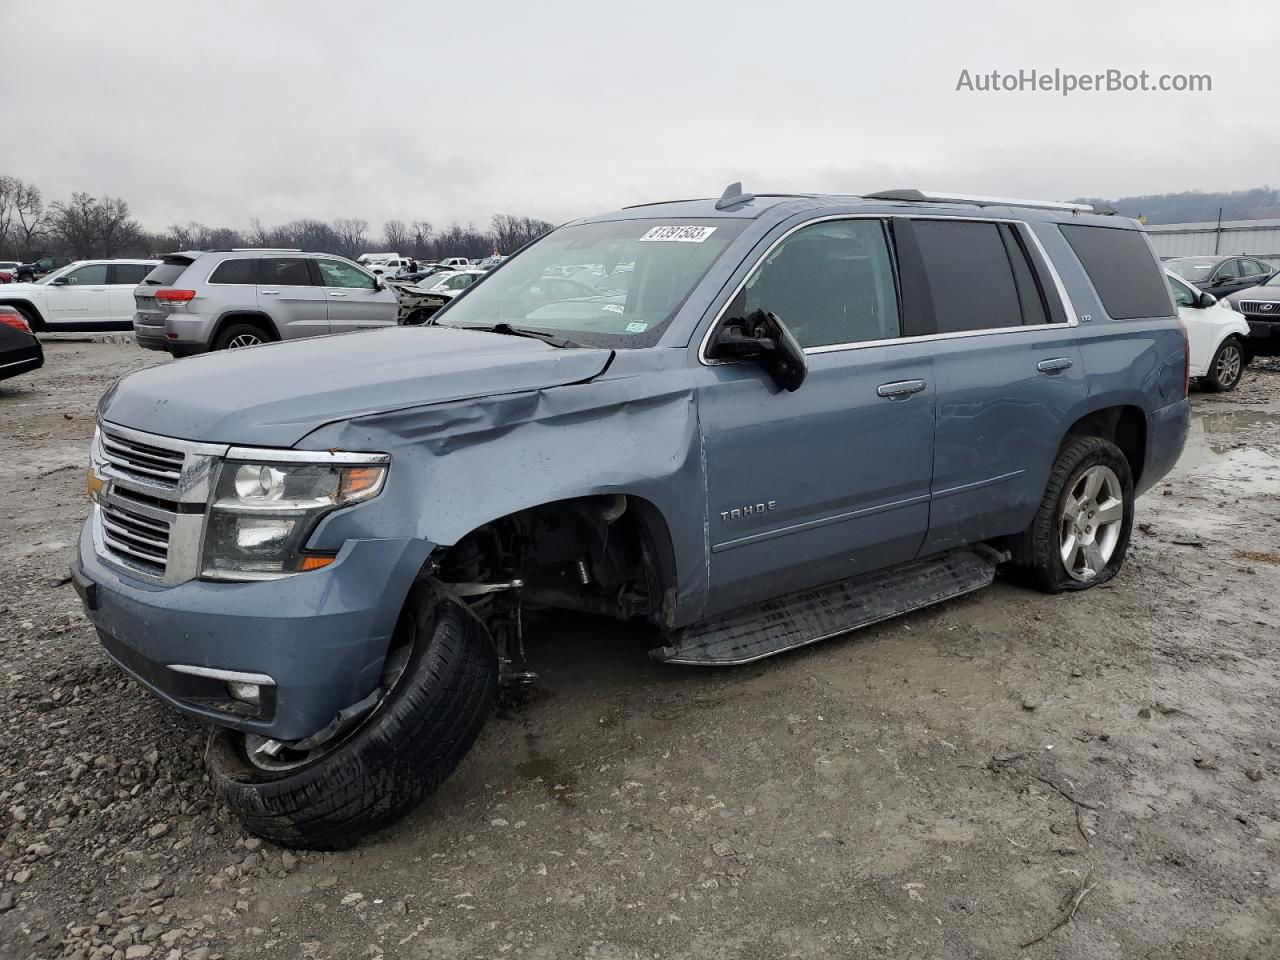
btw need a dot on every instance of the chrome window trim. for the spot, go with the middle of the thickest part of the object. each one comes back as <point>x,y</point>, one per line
<point>323,457</point>
<point>1060,288</point>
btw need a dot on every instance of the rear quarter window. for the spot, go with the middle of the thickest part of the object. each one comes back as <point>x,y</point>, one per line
<point>1122,269</point>
<point>235,271</point>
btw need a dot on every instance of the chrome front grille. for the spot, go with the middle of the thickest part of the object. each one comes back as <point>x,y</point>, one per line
<point>141,537</point>
<point>134,458</point>
<point>153,501</point>
<point>1261,308</point>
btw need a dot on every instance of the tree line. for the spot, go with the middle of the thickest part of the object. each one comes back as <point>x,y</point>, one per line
<point>85,227</point>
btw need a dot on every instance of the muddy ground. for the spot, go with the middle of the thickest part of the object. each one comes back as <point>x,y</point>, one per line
<point>950,784</point>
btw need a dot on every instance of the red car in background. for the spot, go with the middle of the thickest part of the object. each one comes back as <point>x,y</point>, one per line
<point>9,271</point>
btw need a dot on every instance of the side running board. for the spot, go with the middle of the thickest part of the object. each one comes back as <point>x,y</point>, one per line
<point>799,619</point>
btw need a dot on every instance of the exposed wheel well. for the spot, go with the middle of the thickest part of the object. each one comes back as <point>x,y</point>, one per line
<point>28,310</point>
<point>609,554</point>
<point>259,320</point>
<point>1124,426</point>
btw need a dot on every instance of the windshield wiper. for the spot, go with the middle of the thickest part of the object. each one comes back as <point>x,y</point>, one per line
<point>509,330</point>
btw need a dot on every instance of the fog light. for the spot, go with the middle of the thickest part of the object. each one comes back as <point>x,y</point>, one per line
<point>245,692</point>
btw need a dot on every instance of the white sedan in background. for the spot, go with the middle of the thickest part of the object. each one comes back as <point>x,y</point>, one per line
<point>85,295</point>
<point>1215,333</point>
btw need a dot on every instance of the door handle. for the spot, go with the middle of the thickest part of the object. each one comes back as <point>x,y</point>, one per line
<point>1054,366</point>
<point>269,291</point>
<point>902,388</point>
<point>337,294</point>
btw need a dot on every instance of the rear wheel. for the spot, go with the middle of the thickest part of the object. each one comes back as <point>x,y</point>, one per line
<point>1227,366</point>
<point>440,680</point>
<point>1081,530</point>
<point>238,335</point>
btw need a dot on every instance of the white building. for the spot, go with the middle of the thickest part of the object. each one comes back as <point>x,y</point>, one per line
<point>1258,238</point>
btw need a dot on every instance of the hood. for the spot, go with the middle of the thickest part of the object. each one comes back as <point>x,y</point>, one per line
<point>25,286</point>
<point>274,395</point>
<point>1255,293</point>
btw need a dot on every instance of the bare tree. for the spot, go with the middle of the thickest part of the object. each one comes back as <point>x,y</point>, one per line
<point>8,187</point>
<point>33,218</point>
<point>422,231</point>
<point>512,232</point>
<point>352,235</point>
<point>74,224</point>
<point>396,236</point>
<point>115,229</point>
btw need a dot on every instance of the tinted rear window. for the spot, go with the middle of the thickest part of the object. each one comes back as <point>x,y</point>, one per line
<point>1122,269</point>
<point>167,273</point>
<point>286,272</point>
<point>128,273</point>
<point>235,271</point>
<point>969,275</point>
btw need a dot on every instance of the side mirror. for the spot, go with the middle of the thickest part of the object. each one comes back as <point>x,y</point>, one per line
<point>1205,300</point>
<point>59,282</point>
<point>764,338</point>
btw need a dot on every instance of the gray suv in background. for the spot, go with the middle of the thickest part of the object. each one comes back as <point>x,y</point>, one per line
<point>198,300</point>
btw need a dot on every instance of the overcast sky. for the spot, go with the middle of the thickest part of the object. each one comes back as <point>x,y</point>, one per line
<point>220,112</point>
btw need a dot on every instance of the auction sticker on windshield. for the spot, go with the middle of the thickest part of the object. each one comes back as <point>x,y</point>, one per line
<point>679,234</point>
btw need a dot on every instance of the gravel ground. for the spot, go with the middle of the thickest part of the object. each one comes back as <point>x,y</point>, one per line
<point>953,783</point>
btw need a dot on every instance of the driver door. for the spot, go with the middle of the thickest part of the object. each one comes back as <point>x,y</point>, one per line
<point>833,479</point>
<point>83,299</point>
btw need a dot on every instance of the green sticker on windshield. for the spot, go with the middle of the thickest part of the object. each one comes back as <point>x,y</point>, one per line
<point>637,327</point>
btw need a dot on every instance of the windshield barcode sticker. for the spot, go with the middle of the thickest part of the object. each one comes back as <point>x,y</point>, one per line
<point>679,234</point>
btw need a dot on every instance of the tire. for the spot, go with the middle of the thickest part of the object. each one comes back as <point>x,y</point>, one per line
<point>1227,367</point>
<point>1039,552</point>
<point>417,318</point>
<point>404,750</point>
<point>238,335</point>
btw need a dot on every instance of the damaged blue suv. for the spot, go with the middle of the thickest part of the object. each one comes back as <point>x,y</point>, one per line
<point>753,422</point>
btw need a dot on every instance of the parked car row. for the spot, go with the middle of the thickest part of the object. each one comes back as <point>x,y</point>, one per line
<point>84,295</point>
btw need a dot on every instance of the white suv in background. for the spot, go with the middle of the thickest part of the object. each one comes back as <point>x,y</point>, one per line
<point>85,295</point>
<point>1216,335</point>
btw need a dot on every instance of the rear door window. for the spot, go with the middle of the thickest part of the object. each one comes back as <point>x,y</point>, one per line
<point>971,281</point>
<point>235,271</point>
<point>285,272</point>
<point>128,273</point>
<point>1122,269</point>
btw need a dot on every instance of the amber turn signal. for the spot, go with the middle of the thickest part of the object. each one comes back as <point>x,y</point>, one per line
<point>94,484</point>
<point>314,561</point>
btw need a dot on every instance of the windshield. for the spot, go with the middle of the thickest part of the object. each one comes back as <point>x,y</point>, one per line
<point>554,285</point>
<point>1273,282</point>
<point>1191,269</point>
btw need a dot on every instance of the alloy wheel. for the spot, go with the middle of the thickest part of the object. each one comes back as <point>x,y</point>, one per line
<point>1090,522</point>
<point>1230,363</point>
<point>244,340</point>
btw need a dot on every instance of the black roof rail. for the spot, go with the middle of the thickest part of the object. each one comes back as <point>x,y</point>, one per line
<point>920,196</point>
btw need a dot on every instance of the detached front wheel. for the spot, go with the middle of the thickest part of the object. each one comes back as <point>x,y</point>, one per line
<point>1081,531</point>
<point>440,681</point>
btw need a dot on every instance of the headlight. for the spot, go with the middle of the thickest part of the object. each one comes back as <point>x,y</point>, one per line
<point>264,510</point>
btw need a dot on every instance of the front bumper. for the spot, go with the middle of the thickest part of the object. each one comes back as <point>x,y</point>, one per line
<point>1264,336</point>
<point>321,635</point>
